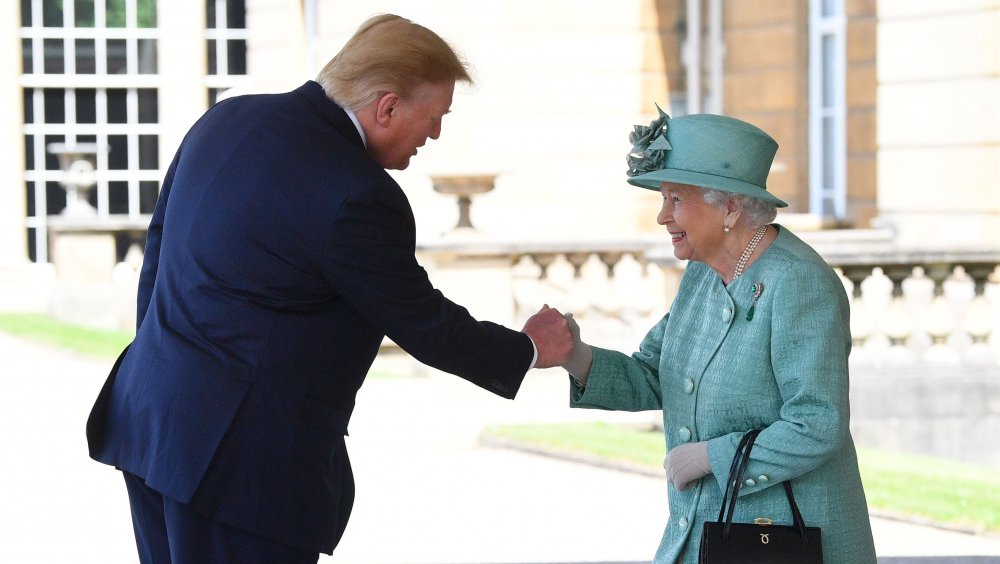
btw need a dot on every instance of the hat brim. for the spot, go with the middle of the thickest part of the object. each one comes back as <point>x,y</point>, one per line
<point>652,181</point>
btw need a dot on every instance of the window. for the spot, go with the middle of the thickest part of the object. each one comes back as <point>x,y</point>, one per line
<point>225,24</point>
<point>827,109</point>
<point>89,80</point>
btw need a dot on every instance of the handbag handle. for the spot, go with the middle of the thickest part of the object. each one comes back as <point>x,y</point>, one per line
<point>736,472</point>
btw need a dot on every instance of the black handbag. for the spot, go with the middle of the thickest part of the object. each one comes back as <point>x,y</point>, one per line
<point>760,542</point>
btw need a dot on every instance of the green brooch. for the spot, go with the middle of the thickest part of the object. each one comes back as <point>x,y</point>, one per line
<point>758,289</point>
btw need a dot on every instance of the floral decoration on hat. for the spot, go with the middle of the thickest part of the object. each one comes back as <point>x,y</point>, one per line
<point>649,146</point>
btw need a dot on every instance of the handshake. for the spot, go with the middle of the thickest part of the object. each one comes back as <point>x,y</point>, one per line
<point>557,339</point>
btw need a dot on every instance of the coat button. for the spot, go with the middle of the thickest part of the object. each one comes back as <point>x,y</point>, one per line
<point>727,314</point>
<point>684,433</point>
<point>762,478</point>
<point>682,522</point>
<point>750,482</point>
<point>688,385</point>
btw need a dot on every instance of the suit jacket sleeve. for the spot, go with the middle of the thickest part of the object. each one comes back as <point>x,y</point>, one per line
<point>372,264</point>
<point>151,255</point>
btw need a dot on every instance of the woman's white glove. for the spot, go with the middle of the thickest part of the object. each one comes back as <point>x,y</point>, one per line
<point>578,364</point>
<point>686,464</point>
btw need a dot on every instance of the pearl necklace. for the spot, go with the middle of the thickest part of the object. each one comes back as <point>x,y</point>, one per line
<point>751,246</point>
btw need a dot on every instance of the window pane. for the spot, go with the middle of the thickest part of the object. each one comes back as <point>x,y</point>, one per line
<point>86,105</point>
<point>55,105</point>
<point>213,67</point>
<point>114,11</point>
<point>54,63</point>
<point>236,17</point>
<point>210,14</point>
<point>29,105</point>
<point>117,197</point>
<point>149,152</point>
<point>84,13</point>
<point>32,245</point>
<point>29,152</point>
<point>147,56</point>
<point>52,161</point>
<point>52,13</point>
<point>149,190</point>
<point>117,56</point>
<point>146,12</point>
<point>86,61</point>
<point>25,13</point>
<point>27,57</point>
<point>55,198</point>
<point>828,152</point>
<point>30,187</point>
<point>237,57</point>
<point>117,152</point>
<point>831,8</point>
<point>827,76</point>
<point>148,107</point>
<point>117,106</point>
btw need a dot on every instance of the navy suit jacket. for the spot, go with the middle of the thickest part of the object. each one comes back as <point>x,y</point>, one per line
<point>278,257</point>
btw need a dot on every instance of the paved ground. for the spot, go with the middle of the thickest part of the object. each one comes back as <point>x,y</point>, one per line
<point>428,492</point>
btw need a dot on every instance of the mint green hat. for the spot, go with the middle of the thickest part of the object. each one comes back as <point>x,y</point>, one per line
<point>706,150</point>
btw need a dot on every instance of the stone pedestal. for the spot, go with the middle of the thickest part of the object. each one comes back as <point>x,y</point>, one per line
<point>89,287</point>
<point>84,293</point>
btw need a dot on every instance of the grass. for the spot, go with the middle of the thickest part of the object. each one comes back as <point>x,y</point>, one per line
<point>103,343</point>
<point>945,492</point>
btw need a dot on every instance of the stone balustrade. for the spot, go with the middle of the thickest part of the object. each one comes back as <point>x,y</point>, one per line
<point>924,372</point>
<point>908,306</point>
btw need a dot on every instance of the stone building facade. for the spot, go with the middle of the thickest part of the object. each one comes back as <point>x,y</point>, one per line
<point>885,110</point>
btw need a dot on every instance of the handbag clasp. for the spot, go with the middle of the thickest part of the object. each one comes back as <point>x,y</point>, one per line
<point>763,521</point>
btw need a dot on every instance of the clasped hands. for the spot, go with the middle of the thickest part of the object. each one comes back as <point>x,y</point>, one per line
<point>557,338</point>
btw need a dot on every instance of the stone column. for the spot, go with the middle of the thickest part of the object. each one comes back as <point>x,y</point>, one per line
<point>183,64</point>
<point>13,237</point>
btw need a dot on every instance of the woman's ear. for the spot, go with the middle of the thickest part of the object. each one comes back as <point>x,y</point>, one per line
<point>734,208</point>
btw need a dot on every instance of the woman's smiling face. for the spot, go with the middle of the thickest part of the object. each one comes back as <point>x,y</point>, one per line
<point>695,227</point>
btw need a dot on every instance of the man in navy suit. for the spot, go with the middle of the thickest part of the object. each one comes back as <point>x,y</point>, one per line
<point>279,255</point>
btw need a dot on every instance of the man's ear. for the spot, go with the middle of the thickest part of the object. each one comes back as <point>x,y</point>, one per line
<point>384,108</point>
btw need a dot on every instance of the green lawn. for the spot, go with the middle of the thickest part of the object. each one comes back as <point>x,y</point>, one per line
<point>102,343</point>
<point>942,491</point>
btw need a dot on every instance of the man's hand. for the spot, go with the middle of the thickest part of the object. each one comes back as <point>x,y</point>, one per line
<point>686,464</point>
<point>550,332</point>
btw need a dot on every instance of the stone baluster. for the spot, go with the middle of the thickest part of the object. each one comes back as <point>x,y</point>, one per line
<point>899,322</point>
<point>979,318</point>
<point>861,322</point>
<point>940,319</point>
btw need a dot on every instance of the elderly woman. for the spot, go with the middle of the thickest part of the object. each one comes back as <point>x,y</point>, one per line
<point>757,338</point>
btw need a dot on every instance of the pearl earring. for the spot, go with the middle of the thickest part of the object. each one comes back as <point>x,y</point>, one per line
<point>725,228</point>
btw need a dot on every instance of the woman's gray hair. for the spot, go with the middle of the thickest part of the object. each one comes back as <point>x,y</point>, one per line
<point>758,212</point>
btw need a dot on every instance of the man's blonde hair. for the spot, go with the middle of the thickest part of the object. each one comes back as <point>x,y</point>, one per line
<point>389,53</point>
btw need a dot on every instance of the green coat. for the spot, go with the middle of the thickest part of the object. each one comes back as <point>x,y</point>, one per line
<point>715,375</point>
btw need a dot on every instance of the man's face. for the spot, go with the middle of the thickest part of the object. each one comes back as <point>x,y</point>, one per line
<point>414,119</point>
